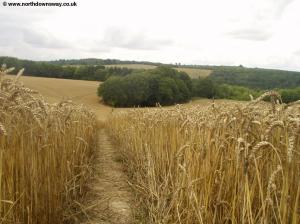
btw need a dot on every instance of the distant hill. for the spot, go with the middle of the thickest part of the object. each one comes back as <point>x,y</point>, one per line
<point>194,73</point>
<point>97,61</point>
<point>256,78</point>
<point>131,66</point>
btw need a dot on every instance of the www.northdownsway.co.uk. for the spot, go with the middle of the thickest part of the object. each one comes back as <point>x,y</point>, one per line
<point>39,4</point>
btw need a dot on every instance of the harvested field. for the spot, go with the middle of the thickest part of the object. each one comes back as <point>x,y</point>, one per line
<point>194,73</point>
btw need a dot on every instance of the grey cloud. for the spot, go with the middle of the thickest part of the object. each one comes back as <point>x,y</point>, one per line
<point>251,34</point>
<point>281,6</point>
<point>9,37</point>
<point>297,53</point>
<point>43,40</point>
<point>117,37</point>
<point>9,34</point>
<point>19,30</point>
<point>17,17</point>
<point>120,38</point>
<point>96,48</point>
<point>15,36</point>
<point>259,26</point>
<point>274,9</point>
<point>140,42</point>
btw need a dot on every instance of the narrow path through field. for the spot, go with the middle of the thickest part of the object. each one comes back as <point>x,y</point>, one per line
<point>111,197</point>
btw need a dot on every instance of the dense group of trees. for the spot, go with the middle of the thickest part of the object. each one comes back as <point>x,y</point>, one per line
<point>255,78</point>
<point>290,95</point>
<point>161,85</point>
<point>167,86</point>
<point>205,88</point>
<point>208,88</point>
<point>81,72</point>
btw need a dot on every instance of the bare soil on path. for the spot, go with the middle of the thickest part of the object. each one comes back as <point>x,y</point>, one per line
<point>110,198</point>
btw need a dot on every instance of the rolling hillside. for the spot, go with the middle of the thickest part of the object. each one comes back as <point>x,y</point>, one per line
<point>79,91</point>
<point>94,69</point>
<point>192,72</point>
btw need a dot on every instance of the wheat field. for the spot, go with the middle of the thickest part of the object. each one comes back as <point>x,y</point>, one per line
<point>79,91</point>
<point>215,163</point>
<point>203,162</point>
<point>45,155</point>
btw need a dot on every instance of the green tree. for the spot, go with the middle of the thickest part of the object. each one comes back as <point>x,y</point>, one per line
<point>113,92</point>
<point>146,88</point>
<point>204,88</point>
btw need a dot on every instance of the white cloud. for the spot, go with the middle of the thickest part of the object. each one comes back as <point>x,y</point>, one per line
<point>250,32</point>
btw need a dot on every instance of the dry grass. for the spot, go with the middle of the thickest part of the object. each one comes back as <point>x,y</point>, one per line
<point>45,151</point>
<point>219,163</point>
<point>194,73</point>
<point>79,91</point>
<point>54,90</point>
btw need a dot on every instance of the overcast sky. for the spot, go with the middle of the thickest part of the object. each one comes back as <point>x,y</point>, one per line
<point>254,33</point>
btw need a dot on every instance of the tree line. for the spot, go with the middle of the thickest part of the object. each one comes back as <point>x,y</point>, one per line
<point>209,88</point>
<point>255,78</point>
<point>80,72</point>
<point>96,61</point>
